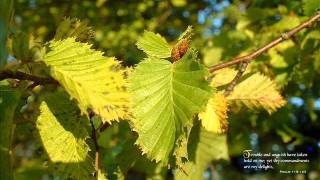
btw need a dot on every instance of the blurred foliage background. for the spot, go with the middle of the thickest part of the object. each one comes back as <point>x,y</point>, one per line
<point>222,29</point>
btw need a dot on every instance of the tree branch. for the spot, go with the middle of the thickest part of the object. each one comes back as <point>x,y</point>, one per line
<point>6,74</point>
<point>246,59</point>
<point>255,54</point>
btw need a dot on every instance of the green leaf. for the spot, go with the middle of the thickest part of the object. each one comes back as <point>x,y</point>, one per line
<point>212,56</point>
<point>130,158</point>
<point>310,6</point>
<point>95,81</point>
<point>74,28</point>
<point>102,175</point>
<point>286,22</point>
<point>63,133</point>
<point>20,46</point>
<point>9,99</point>
<point>288,134</point>
<point>209,147</point>
<point>165,96</point>
<point>277,60</point>
<point>186,34</point>
<point>154,45</point>
<point>180,152</point>
<point>178,3</point>
<point>313,35</point>
<point>281,56</point>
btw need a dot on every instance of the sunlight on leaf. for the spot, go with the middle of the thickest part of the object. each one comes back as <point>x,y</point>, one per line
<point>165,97</point>
<point>72,27</point>
<point>154,45</point>
<point>257,92</point>
<point>63,134</point>
<point>95,81</point>
<point>214,118</point>
<point>222,77</point>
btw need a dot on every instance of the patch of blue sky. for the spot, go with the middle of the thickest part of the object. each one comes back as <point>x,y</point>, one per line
<point>317,104</point>
<point>297,101</point>
<point>216,22</point>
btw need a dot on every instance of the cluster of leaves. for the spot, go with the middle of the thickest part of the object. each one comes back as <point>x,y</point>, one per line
<point>116,39</point>
<point>174,92</point>
<point>176,109</point>
<point>96,83</point>
<point>292,65</point>
<point>165,94</point>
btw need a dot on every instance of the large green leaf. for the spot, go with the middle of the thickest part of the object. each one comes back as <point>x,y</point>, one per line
<point>165,96</point>
<point>154,45</point>
<point>95,81</point>
<point>8,102</point>
<point>206,147</point>
<point>63,134</point>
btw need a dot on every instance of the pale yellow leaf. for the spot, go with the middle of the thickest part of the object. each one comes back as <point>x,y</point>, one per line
<point>214,118</point>
<point>223,77</point>
<point>257,92</point>
<point>95,81</point>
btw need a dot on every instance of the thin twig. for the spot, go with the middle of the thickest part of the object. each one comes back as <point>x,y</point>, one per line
<point>6,74</point>
<point>255,54</point>
<point>164,16</point>
<point>103,127</point>
<point>94,138</point>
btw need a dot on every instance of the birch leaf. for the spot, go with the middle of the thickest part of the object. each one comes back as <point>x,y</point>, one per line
<point>95,81</point>
<point>214,118</point>
<point>154,45</point>
<point>257,92</point>
<point>165,96</point>
<point>63,134</point>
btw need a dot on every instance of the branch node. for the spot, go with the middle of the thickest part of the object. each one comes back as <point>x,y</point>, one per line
<point>285,36</point>
<point>236,79</point>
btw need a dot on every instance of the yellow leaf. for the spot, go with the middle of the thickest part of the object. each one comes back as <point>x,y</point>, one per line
<point>214,118</point>
<point>257,92</point>
<point>96,82</point>
<point>223,77</point>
